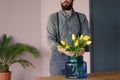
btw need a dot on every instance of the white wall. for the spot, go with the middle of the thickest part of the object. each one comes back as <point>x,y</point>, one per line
<point>21,19</point>
<point>26,21</point>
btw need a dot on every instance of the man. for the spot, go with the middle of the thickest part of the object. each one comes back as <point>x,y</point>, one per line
<point>61,26</point>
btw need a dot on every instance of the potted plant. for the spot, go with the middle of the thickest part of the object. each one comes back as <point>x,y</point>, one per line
<point>9,54</point>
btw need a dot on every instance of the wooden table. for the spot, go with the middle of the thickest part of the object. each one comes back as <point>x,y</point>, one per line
<point>115,75</point>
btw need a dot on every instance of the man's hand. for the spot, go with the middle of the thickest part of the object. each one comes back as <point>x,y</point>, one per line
<point>61,50</point>
<point>71,53</point>
<point>81,52</point>
<point>68,53</point>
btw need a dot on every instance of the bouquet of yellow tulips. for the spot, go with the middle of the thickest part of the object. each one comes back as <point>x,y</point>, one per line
<point>78,43</point>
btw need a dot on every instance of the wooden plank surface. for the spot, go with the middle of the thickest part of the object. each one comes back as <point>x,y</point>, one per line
<point>115,75</point>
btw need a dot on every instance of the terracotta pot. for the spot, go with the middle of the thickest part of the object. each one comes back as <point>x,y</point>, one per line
<point>5,75</point>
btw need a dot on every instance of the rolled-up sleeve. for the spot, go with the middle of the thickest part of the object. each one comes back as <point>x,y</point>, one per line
<point>52,32</point>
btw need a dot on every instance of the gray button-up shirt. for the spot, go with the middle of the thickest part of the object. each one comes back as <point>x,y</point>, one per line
<point>68,25</point>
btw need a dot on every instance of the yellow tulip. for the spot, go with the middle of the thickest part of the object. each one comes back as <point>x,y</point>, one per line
<point>86,38</point>
<point>67,47</point>
<point>81,37</point>
<point>73,37</point>
<point>59,46</point>
<point>76,43</point>
<point>88,42</point>
<point>63,42</point>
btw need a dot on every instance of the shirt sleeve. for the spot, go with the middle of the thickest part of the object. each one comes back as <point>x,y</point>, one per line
<point>85,29</point>
<point>52,32</point>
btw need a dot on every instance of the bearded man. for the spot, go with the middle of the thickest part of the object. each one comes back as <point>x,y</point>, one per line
<point>61,25</point>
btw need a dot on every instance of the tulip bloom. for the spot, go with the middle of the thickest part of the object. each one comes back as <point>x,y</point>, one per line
<point>86,38</point>
<point>76,43</point>
<point>67,47</point>
<point>88,42</point>
<point>59,46</point>
<point>81,37</point>
<point>63,42</point>
<point>73,37</point>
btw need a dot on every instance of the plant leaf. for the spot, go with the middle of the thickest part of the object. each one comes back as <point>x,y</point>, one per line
<point>24,63</point>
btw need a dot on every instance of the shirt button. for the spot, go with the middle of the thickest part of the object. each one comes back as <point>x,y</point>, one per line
<point>69,33</point>
<point>68,24</point>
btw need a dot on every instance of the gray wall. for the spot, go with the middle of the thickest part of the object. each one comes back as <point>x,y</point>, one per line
<point>105,23</point>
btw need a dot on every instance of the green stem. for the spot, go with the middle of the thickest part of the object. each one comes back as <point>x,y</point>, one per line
<point>76,53</point>
<point>76,65</point>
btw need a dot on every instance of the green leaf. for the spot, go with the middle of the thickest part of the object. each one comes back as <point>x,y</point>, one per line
<point>23,62</point>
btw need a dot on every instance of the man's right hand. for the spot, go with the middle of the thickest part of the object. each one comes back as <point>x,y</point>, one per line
<point>61,50</point>
<point>68,53</point>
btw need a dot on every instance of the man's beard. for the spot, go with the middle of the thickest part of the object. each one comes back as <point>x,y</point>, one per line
<point>68,7</point>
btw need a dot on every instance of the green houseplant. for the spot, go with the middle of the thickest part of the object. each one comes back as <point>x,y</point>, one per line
<point>9,53</point>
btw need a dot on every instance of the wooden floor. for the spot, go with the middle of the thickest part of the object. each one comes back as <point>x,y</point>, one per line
<point>115,75</point>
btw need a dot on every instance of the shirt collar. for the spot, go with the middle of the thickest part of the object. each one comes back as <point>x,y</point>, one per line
<point>66,14</point>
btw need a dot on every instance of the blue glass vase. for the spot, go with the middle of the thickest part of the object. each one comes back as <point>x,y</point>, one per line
<point>76,67</point>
